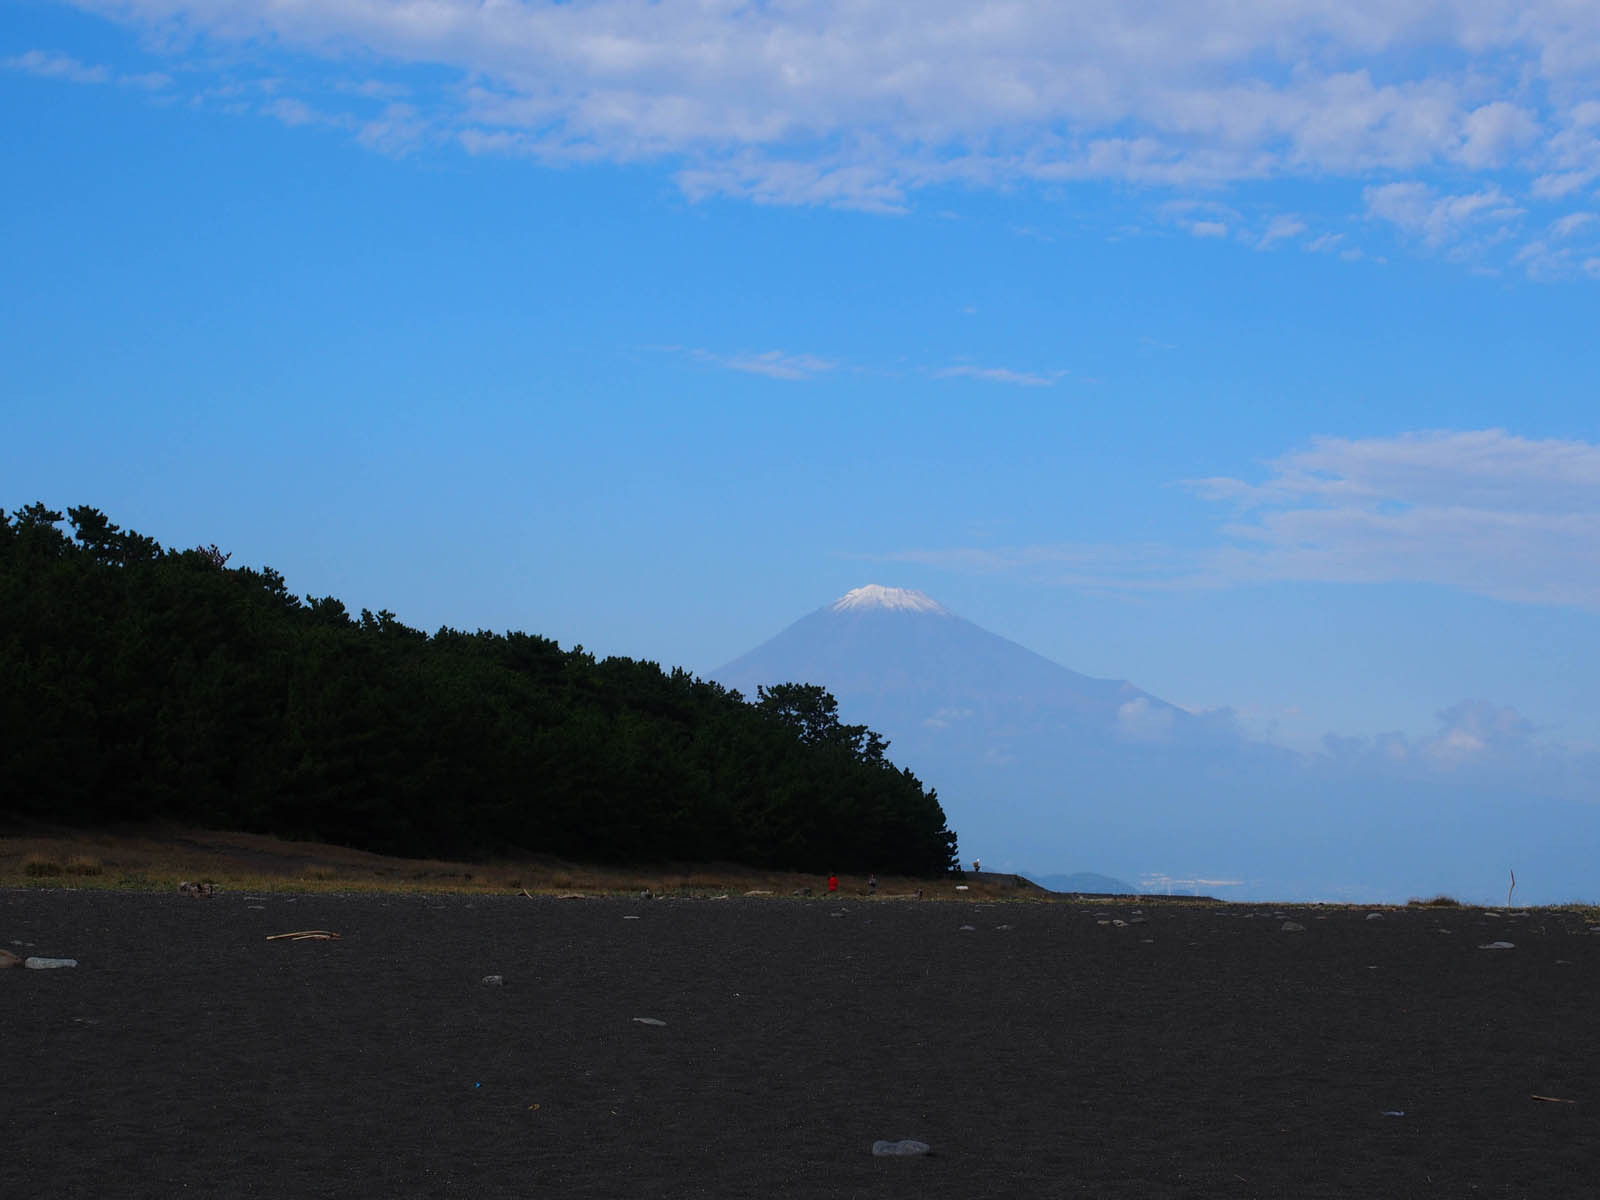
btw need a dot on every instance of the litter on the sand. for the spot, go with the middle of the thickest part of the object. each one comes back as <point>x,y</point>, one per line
<point>1552,1099</point>
<point>901,1149</point>
<point>305,935</point>
<point>648,1021</point>
<point>1498,946</point>
<point>46,964</point>
<point>1394,1113</point>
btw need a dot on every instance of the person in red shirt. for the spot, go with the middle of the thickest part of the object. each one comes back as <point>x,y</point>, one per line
<point>833,883</point>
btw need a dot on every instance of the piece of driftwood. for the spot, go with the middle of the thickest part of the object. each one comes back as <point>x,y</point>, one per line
<point>305,935</point>
<point>1552,1099</point>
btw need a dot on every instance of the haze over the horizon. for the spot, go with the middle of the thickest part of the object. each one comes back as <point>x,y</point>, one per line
<point>1243,351</point>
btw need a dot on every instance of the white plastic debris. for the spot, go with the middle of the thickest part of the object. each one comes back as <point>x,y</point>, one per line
<point>46,964</point>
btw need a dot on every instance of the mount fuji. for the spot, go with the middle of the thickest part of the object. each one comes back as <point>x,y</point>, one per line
<point>1025,753</point>
<point>1044,770</point>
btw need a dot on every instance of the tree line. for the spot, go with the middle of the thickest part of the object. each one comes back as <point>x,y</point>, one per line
<point>146,684</point>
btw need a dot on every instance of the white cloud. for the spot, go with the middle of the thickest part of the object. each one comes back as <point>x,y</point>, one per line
<point>58,66</point>
<point>999,375</point>
<point>1285,225</point>
<point>1141,721</point>
<point>1571,223</point>
<point>1493,132</point>
<point>48,65</point>
<point>1472,734</point>
<point>1483,511</point>
<point>864,103</point>
<point>774,364</point>
<point>1480,511</point>
<point>1438,220</point>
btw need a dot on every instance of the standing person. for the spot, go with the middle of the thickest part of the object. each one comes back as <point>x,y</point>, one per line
<point>872,885</point>
<point>833,884</point>
<point>977,867</point>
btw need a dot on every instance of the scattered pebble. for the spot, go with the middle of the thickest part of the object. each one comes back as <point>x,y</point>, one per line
<point>969,928</point>
<point>1374,916</point>
<point>1497,946</point>
<point>1293,927</point>
<point>494,980</point>
<point>648,1021</point>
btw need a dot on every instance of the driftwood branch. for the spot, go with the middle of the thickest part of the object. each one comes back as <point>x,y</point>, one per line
<point>305,935</point>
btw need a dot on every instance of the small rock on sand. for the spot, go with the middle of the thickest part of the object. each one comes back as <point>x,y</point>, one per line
<point>901,1149</point>
<point>1293,927</point>
<point>1497,946</point>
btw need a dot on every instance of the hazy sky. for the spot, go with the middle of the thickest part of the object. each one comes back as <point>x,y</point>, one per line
<point>1245,350</point>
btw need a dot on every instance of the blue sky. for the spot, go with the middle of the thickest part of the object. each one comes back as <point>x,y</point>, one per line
<point>1243,350</point>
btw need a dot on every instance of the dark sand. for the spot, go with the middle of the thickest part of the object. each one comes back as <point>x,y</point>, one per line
<point>1056,1057</point>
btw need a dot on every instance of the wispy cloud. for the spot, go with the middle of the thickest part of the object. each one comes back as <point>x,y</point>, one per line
<point>1000,375</point>
<point>1480,511</point>
<point>1483,511</point>
<point>1280,228</point>
<point>1440,220</point>
<point>48,65</point>
<point>773,364</point>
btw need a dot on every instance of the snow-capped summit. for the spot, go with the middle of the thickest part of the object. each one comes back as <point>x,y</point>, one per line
<point>876,596</point>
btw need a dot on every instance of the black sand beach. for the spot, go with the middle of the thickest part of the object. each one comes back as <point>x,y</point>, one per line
<point>1205,1053</point>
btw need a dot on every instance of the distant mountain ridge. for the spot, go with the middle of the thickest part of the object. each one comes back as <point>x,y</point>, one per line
<point>896,643</point>
<point>998,729</point>
<point>1040,768</point>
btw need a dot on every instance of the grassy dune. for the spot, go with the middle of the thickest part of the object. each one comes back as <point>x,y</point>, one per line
<point>161,859</point>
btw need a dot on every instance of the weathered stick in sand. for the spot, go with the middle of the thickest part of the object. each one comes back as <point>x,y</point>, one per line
<point>305,935</point>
